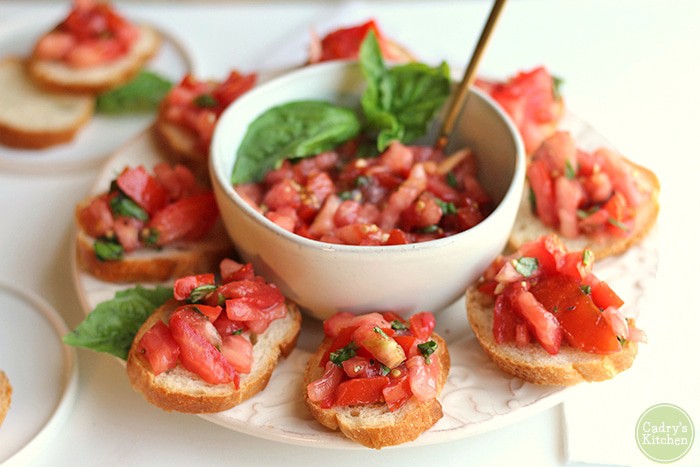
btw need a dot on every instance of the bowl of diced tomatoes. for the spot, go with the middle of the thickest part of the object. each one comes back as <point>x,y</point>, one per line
<point>347,226</point>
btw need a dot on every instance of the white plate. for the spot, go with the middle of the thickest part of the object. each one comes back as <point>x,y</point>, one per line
<point>477,397</point>
<point>42,370</point>
<point>103,134</point>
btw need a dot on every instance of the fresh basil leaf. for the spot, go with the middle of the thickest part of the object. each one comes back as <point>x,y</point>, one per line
<point>204,101</point>
<point>112,325</point>
<point>427,349</point>
<point>200,292</point>
<point>294,130</point>
<point>140,95</point>
<point>400,102</point>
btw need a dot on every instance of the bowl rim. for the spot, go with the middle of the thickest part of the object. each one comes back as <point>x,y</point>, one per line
<point>515,187</point>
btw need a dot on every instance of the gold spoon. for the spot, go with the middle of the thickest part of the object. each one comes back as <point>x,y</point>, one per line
<point>469,76</point>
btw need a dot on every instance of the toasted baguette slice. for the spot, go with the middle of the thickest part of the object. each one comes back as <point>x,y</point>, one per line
<point>5,395</point>
<point>149,265</point>
<point>528,227</point>
<point>181,145</point>
<point>57,76</point>
<point>532,363</point>
<point>374,425</point>
<point>182,391</point>
<point>32,118</point>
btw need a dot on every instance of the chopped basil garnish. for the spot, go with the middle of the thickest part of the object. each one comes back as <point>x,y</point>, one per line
<point>556,88</point>
<point>582,214</point>
<point>344,353</point>
<point>205,101</point>
<point>379,331</point>
<point>532,198</point>
<point>108,250</point>
<point>397,325</point>
<point>124,206</point>
<point>150,237</point>
<point>429,229</point>
<point>586,289</point>
<point>447,208</point>
<point>427,349</point>
<point>569,171</point>
<point>451,180</point>
<point>618,224</point>
<point>200,292</point>
<point>383,369</point>
<point>362,180</point>
<point>587,257</point>
<point>622,340</point>
<point>237,332</point>
<point>526,265</point>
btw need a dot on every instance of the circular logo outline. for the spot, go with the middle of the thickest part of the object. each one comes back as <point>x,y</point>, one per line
<point>682,412</point>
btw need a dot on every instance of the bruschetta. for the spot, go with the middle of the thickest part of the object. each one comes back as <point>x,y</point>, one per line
<point>542,315</point>
<point>213,345</point>
<point>92,50</point>
<point>150,227</point>
<point>32,118</point>
<point>533,101</point>
<point>189,112</point>
<point>597,200</point>
<point>344,44</point>
<point>5,395</point>
<point>376,377</point>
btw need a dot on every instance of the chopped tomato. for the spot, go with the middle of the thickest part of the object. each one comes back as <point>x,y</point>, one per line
<point>542,188</point>
<point>580,319</point>
<point>211,312</point>
<point>344,44</point>
<point>423,377</point>
<point>504,320</point>
<point>188,218</point>
<point>360,391</point>
<point>234,271</point>
<point>238,350</point>
<point>542,322</point>
<point>323,389</point>
<point>96,217</point>
<point>531,100</point>
<point>378,343</point>
<point>184,286</point>
<point>143,189</point>
<point>197,354</point>
<point>397,392</point>
<point>409,344</point>
<point>422,325</point>
<point>604,297</point>
<point>159,348</point>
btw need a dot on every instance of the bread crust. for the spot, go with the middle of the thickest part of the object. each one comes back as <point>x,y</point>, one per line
<point>17,130</point>
<point>182,391</point>
<point>532,363</point>
<point>374,426</point>
<point>172,261</point>
<point>57,76</point>
<point>528,226</point>
<point>5,395</point>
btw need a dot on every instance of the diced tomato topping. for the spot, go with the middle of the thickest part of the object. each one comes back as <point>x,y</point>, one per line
<point>378,343</point>
<point>186,219</point>
<point>530,98</point>
<point>409,344</point>
<point>197,354</point>
<point>323,389</point>
<point>159,348</point>
<point>344,44</point>
<point>96,217</point>
<point>226,327</point>
<point>542,187</point>
<point>580,319</point>
<point>211,312</point>
<point>360,391</point>
<point>398,391</point>
<point>423,377</point>
<point>604,297</point>
<point>541,322</point>
<point>184,286</point>
<point>238,350</point>
<point>234,271</point>
<point>143,189</point>
<point>422,325</point>
<point>504,320</point>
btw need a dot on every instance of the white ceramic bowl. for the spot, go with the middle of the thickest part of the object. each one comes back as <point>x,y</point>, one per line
<point>324,278</point>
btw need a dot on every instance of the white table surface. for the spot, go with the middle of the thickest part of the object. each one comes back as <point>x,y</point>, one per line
<point>631,68</point>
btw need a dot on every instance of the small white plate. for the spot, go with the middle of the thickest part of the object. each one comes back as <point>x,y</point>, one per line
<point>42,370</point>
<point>103,134</point>
<point>477,397</point>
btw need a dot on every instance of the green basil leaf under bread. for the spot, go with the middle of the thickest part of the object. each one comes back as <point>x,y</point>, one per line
<point>140,95</point>
<point>112,325</point>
